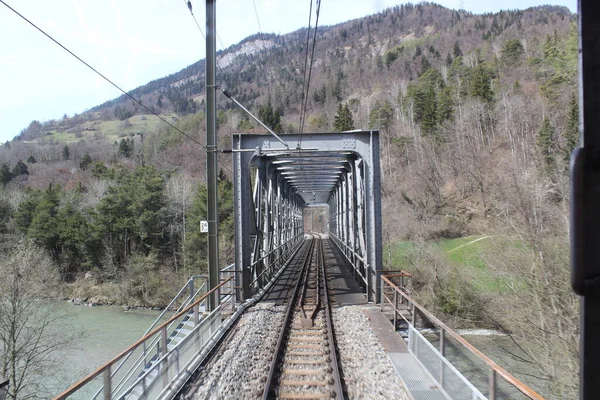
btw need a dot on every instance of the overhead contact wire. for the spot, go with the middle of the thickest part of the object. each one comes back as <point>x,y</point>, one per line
<point>304,73</point>
<point>312,59</point>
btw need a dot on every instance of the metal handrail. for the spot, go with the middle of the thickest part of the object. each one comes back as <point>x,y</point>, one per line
<point>361,258</point>
<point>275,249</point>
<point>283,256</point>
<point>335,239</point>
<point>154,341</point>
<point>105,368</point>
<point>161,359</point>
<point>496,369</point>
<point>167,308</point>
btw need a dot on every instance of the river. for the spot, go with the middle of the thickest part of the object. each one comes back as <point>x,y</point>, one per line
<point>102,333</point>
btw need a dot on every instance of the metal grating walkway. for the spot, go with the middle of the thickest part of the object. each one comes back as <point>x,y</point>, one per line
<point>417,381</point>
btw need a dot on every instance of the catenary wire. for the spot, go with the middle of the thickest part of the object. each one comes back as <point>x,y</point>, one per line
<point>312,58</point>
<point>305,69</point>
<point>257,19</point>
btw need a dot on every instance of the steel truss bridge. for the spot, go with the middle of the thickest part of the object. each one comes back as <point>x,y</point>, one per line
<point>273,184</point>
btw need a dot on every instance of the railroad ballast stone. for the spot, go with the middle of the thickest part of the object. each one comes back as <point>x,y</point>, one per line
<point>242,368</point>
<point>368,371</point>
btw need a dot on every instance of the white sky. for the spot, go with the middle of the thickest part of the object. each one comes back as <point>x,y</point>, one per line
<point>133,42</point>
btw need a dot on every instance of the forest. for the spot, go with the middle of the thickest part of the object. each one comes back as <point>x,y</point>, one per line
<point>477,116</point>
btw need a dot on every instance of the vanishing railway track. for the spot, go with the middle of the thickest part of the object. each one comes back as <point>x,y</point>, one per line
<point>305,364</point>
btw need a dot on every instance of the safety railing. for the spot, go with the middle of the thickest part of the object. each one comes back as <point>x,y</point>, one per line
<point>165,353</point>
<point>182,299</point>
<point>285,250</point>
<point>347,251</point>
<point>454,353</point>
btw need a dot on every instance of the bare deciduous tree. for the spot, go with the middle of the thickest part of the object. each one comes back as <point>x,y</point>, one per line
<point>29,338</point>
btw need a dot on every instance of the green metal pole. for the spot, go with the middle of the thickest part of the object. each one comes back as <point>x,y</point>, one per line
<point>211,153</point>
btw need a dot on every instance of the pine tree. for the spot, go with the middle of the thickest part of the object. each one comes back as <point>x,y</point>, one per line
<point>343,119</point>
<point>31,159</point>
<point>381,116</point>
<point>445,109</point>
<point>65,153</point>
<point>44,224</point>
<point>5,174</point>
<point>457,51</point>
<point>85,162</point>
<point>20,169</point>
<point>480,84</point>
<point>126,147</point>
<point>271,117</point>
<point>572,128</point>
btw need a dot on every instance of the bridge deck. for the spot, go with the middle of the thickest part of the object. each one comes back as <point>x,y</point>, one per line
<point>346,291</point>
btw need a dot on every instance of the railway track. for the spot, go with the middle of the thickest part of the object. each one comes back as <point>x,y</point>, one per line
<point>305,363</point>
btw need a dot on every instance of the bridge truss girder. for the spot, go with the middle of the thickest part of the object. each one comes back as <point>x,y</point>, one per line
<point>273,184</point>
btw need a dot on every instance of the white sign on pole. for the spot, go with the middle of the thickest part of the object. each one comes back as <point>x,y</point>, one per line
<point>204,226</point>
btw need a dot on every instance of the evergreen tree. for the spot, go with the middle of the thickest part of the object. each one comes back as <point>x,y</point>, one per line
<point>425,65</point>
<point>131,218</point>
<point>512,51</point>
<point>244,124</point>
<point>85,162</point>
<point>31,159</point>
<point>271,117</point>
<point>65,153</point>
<point>26,210</point>
<point>126,147</point>
<point>457,50</point>
<point>381,116</point>
<point>78,245</point>
<point>5,174</point>
<point>445,109</point>
<point>343,119</point>
<point>480,85</point>
<point>5,214</point>
<point>44,224</point>
<point>20,168</point>
<point>546,144</point>
<point>99,170</point>
<point>572,128</point>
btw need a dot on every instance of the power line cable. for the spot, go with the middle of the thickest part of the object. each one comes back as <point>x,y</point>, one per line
<point>189,6</point>
<point>305,65</point>
<point>312,59</point>
<point>257,19</point>
<point>101,75</point>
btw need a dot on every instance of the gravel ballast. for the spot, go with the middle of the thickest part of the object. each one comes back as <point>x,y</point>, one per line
<point>241,369</point>
<point>368,371</point>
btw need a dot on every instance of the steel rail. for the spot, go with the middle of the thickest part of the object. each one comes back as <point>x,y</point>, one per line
<point>288,314</point>
<point>337,376</point>
<point>311,285</point>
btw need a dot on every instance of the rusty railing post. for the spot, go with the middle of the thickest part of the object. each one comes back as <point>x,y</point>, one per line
<point>107,384</point>
<point>395,309</point>
<point>164,367</point>
<point>492,395</point>
<point>443,353</point>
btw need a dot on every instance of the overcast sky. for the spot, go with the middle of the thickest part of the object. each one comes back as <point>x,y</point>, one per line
<point>133,42</point>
